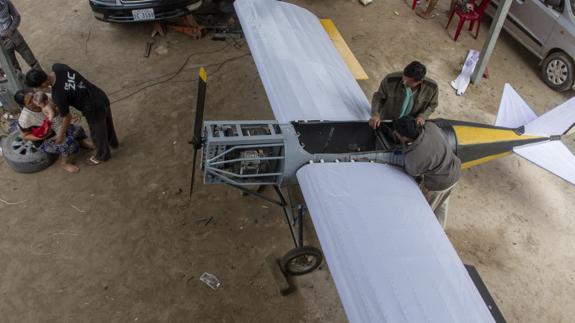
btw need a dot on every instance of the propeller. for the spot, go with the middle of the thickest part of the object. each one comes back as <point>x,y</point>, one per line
<point>198,123</point>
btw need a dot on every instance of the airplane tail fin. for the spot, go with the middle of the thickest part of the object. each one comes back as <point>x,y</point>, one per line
<point>513,110</point>
<point>551,155</point>
<point>556,122</point>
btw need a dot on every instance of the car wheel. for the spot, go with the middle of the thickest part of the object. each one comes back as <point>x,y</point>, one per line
<point>23,156</point>
<point>557,71</point>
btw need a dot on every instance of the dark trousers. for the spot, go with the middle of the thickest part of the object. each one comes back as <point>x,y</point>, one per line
<point>16,43</point>
<point>103,134</point>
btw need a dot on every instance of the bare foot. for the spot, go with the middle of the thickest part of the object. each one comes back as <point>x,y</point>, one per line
<point>87,144</point>
<point>70,168</point>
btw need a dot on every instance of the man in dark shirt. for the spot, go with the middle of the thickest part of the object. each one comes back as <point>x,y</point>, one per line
<point>427,154</point>
<point>70,88</point>
<point>407,93</point>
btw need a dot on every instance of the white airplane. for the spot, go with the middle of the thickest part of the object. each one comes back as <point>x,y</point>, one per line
<point>390,259</point>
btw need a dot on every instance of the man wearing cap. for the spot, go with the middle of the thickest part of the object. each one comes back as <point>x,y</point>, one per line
<point>427,154</point>
<point>407,93</point>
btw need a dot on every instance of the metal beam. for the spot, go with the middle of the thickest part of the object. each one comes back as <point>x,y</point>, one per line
<point>489,45</point>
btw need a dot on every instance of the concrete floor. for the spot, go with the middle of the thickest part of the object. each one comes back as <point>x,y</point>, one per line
<point>121,242</point>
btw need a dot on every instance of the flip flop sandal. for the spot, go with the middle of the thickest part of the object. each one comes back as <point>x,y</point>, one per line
<point>92,161</point>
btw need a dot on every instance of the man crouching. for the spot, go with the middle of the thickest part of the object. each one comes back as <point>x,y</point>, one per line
<point>427,154</point>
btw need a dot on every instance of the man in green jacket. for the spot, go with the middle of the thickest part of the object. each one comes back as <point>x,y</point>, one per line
<point>404,94</point>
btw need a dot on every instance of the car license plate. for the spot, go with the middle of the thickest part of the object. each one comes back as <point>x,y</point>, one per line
<point>143,14</point>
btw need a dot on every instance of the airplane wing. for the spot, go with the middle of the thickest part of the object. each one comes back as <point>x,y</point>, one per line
<point>389,257</point>
<point>303,74</point>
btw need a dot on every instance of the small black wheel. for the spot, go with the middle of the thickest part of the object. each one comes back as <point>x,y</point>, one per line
<point>557,71</point>
<point>301,260</point>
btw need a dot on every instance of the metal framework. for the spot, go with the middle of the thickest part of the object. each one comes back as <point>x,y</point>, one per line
<point>294,214</point>
<point>13,83</point>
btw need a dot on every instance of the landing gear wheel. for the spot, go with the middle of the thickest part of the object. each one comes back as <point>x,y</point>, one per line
<point>23,156</point>
<point>301,260</point>
<point>557,71</point>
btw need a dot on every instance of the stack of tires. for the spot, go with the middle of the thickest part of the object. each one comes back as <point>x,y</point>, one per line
<point>24,156</point>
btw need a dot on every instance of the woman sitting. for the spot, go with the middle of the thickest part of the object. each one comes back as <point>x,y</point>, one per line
<point>39,121</point>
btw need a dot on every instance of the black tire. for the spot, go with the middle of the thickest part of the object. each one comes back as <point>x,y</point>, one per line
<point>301,260</point>
<point>557,71</point>
<point>23,157</point>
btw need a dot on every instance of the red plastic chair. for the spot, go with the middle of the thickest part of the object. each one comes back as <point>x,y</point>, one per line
<point>472,17</point>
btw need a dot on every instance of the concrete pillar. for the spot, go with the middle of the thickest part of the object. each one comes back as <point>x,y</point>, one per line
<point>489,45</point>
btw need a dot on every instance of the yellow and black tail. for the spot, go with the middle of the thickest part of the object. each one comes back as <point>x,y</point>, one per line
<point>477,143</point>
<point>517,130</point>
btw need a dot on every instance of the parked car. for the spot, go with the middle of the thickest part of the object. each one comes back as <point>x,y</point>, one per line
<point>546,28</point>
<point>142,10</point>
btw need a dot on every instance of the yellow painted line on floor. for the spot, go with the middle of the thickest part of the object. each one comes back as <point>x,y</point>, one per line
<point>341,46</point>
<point>469,135</point>
<point>476,162</point>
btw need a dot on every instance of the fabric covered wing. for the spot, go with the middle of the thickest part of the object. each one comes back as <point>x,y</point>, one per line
<point>552,156</point>
<point>389,257</point>
<point>304,76</point>
<point>513,111</point>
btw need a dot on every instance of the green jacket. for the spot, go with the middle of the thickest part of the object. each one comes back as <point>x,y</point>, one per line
<point>386,102</point>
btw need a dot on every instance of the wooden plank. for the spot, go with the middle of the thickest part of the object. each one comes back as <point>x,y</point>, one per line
<point>344,50</point>
<point>487,298</point>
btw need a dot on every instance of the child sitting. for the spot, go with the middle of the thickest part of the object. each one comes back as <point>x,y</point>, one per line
<point>41,99</point>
